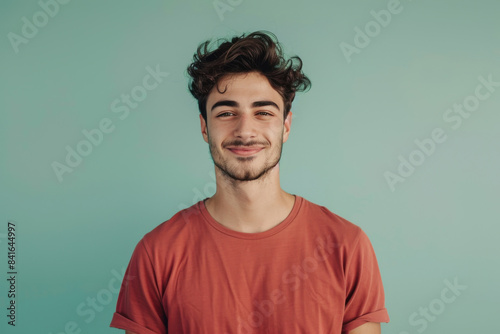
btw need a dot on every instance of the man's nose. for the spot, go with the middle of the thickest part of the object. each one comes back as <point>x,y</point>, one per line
<point>245,126</point>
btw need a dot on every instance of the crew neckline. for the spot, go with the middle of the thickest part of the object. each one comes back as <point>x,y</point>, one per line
<point>251,236</point>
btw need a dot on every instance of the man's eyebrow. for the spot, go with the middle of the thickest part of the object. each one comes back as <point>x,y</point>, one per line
<point>256,104</point>
<point>265,103</point>
<point>228,103</point>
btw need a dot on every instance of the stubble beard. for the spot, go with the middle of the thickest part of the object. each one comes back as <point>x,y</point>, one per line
<point>235,172</point>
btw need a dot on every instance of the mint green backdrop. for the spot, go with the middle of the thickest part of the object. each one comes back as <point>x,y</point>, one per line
<point>399,134</point>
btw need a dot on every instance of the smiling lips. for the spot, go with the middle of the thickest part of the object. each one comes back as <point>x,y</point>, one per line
<point>245,151</point>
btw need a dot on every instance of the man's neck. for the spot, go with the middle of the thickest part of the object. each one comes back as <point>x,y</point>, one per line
<point>252,206</point>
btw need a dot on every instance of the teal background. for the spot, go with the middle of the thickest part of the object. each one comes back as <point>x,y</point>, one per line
<point>73,236</point>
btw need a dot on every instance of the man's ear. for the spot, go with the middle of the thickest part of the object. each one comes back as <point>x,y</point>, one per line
<point>204,129</point>
<point>287,124</point>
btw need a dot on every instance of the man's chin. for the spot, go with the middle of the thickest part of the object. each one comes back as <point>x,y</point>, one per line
<point>243,177</point>
<point>239,172</point>
<point>251,175</point>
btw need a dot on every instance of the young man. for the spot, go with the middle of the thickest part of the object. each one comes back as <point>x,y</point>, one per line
<point>252,258</point>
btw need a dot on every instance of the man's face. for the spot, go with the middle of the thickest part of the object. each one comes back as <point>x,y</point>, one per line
<point>245,129</point>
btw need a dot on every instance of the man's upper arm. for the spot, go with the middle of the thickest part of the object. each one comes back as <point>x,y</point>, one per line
<point>367,328</point>
<point>364,290</point>
<point>139,307</point>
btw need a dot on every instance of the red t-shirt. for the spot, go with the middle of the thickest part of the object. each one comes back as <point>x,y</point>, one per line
<point>315,272</point>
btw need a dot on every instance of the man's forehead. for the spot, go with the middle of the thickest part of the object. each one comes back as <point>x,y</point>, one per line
<point>264,91</point>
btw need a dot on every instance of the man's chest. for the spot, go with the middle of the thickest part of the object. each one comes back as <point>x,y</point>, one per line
<point>266,289</point>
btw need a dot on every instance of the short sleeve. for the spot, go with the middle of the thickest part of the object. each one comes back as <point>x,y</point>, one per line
<point>139,308</point>
<point>365,300</point>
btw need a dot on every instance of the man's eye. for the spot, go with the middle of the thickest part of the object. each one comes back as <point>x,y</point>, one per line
<point>263,112</point>
<point>226,113</point>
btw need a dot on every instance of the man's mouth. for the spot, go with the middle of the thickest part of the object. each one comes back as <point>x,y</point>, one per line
<point>245,151</point>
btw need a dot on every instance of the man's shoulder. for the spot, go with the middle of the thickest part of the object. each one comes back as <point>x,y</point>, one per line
<point>177,227</point>
<point>330,221</point>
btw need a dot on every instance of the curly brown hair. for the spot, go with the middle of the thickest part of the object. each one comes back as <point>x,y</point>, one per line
<point>259,51</point>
